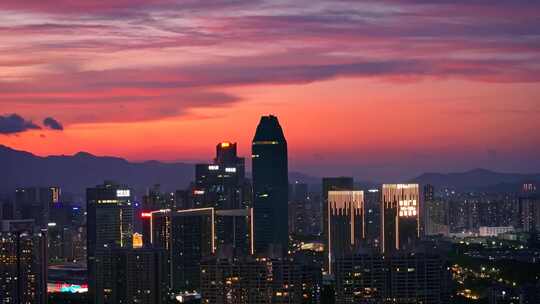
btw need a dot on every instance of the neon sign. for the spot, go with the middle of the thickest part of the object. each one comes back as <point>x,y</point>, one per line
<point>67,288</point>
<point>407,208</point>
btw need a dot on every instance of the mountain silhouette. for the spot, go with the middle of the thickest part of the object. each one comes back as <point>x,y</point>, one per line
<point>477,180</point>
<point>75,173</point>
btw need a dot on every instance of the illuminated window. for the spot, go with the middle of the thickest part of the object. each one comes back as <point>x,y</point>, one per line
<point>122,193</point>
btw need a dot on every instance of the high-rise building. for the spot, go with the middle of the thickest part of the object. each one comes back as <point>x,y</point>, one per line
<point>221,184</point>
<point>332,184</point>
<point>529,208</point>
<point>7,210</point>
<point>418,277</point>
<point>63,230</point>
<point>35,203</point>
<point>154,200</point>
<point>346,224</point>
<point>463,212</point>
<point>429,193</point>
<point>400,217</point>
<point>109,225</point>
<point>23,263</point>
<point>191,235</point>
<point>250,280</point>
<point>128,275</point>
<point>301,211</point>
<point>372,202</point>
<point>270,187</point>
<point>436,217</point>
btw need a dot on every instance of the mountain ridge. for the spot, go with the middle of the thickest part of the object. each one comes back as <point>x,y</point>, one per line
<point>74,173</point>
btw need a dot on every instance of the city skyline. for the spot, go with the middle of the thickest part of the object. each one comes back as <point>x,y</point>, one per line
<point>382,87</point>
<point>270,151</point>
<point>227,239</point>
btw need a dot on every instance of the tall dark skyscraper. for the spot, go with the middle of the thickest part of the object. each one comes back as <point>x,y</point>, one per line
<point>109,225</point>
<point>270,187</point>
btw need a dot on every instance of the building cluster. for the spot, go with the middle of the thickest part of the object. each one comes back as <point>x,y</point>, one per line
<point>231,239</point>
<point>452,213</point>
<point>36,229</point>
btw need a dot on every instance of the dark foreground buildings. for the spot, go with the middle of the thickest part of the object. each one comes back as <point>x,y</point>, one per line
<point>270,187</point>
<point>127,275</point>
<point>189,236</point>
<point>250,280</point>
<point>395,278</point>
<point>23,263</point>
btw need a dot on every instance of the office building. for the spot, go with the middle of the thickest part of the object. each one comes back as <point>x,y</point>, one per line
<point>127,275</point>
<point>7,209</point>
<point>109,225</point>
<point>270,187</point>
<point>35,203</point>
<point>463,213</point>
<point>332,184</point>
<point>418,277</point>
<point>64,232</point>
<point>303,211</point>
<point>346,224</point>
<point>372,203</point>
<point>154,200</point>
<point>251,280</point>
<point>191,235</point>
<point>429,193</point>
<point>436,213</point>
<point>23,263</point>
<point>400,217</point>
<point>221,184</point>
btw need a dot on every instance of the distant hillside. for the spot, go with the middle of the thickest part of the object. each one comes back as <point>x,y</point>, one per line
<point>75,173</point>
<point>477,179</point>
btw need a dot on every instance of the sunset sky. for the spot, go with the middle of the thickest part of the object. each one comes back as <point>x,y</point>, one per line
<point>382,90</point>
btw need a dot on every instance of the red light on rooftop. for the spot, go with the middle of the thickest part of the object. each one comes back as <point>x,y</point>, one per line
<point>146,215</point>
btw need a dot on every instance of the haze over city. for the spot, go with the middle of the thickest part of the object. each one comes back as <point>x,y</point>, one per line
<point>373,89</point>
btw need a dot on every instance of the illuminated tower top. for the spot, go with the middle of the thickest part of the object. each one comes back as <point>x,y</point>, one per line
<point>400,216</point>
<point>226,154</point>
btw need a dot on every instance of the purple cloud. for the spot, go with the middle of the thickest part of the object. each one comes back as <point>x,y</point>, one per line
<point>14,123</point>
<point>53,124</point>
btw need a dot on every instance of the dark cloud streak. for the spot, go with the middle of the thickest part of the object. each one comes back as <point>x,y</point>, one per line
<point>53,124</point>
<point>14,123</point>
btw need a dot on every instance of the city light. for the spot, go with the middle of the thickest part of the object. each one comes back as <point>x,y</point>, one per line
<point>123,193</point>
